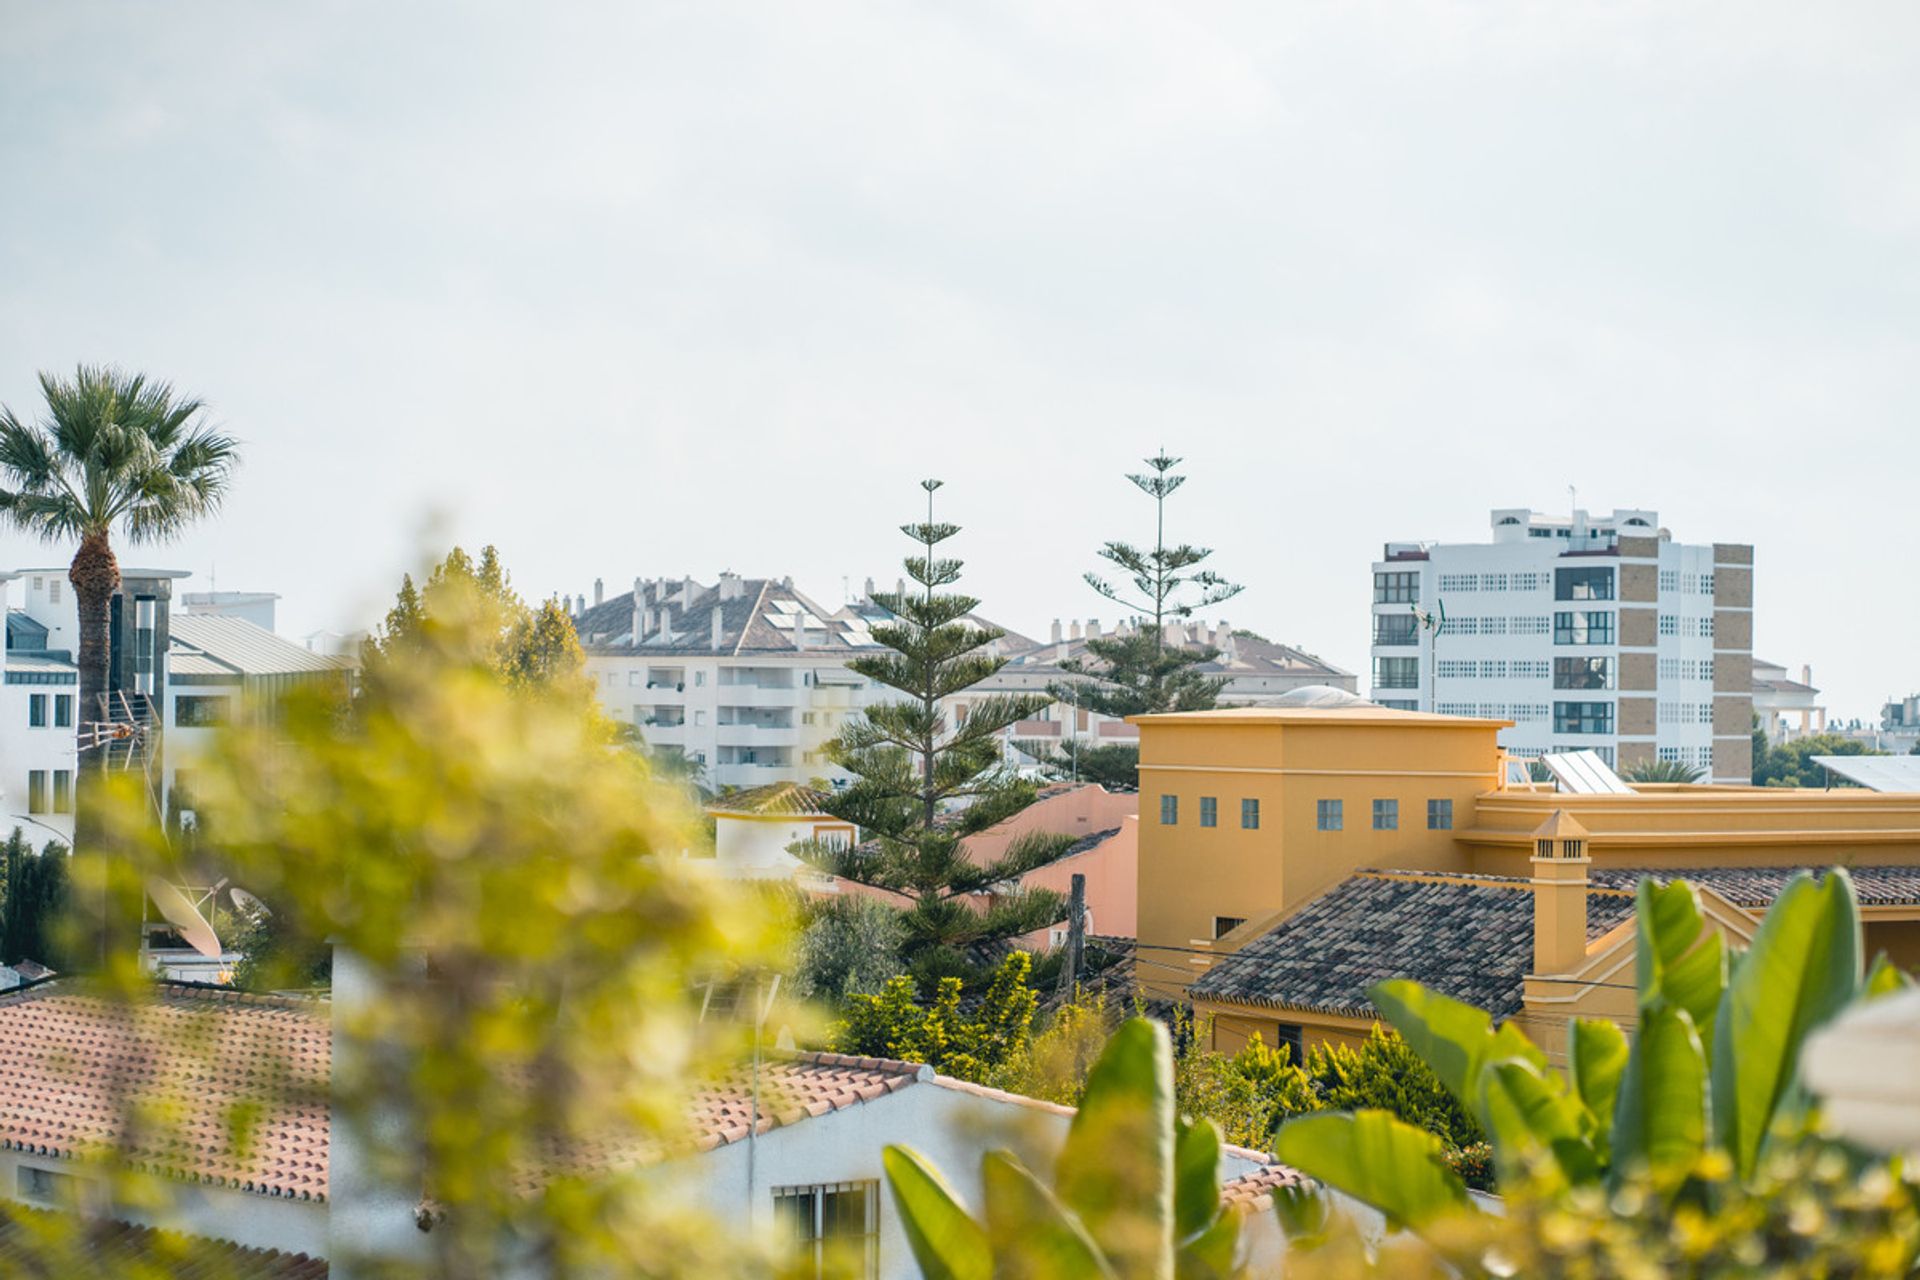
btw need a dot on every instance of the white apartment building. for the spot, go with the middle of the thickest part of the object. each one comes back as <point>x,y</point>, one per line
<point>1586,631</point>
<point>38,703</point>
<point>747,679</point>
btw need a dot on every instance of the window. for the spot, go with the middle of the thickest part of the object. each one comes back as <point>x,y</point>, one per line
<point>1669,580</point>
<point>1706,584</point>
<point>1396,588</point>
<point>1399,704</point>
<point>36,791</point>
<point>699,679</point>
<point>1224,925</point>
<point>635,679</point>
<point>1583,717</point>
<point>1706,627</point>
<point>1396,673</point>
<point>1209,811</point>
<point>1169,810</point>
<point>62,791</point>
<point>613,677</point>
<point>63,710</point>
<point>1396,629</point>
<point>1250,815</point>
<point>1459,582</point>
<point>1439,815</point>
<point>199,712</point>
<point>835,1227</point>
<point>699,717</point>
<point>46,1186</point>
<point>1669,625</point>
<point>1386,815</point>
<point>1531,626</point>
<point>37,711</point>
<point>1583,628</point>
<point>1288,1034</point>
<point>1456,669</point>
<point>1587,583</point>
<point>1326,815</point>
<point>53,591</point>
<point>1583,673</point>
<point>806,717</point>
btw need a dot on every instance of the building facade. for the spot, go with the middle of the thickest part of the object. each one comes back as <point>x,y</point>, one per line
<point>1595,632</point>
<point>1786,708</point>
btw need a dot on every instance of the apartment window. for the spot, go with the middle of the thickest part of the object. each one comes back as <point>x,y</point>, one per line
<point>1396,588</point>
<point>699,717</point>
<point>1209,811</point>
<point>1583,628</point>
<point>1289,1034</point>
<point>1586,583</point>
<point>1669,580</point>
<point>613,678</point>
<point>806,717</point>
<point>36,791</point>
<point>1386,815</point>
<point>1169,810</point>
<point>63,710</point>
<point>1396,673</point>
<point>199,712</point>
<point>53,591</point>
<point>1669,625</point>
<point>699,679</point>
<point>37,711</point>
<point>1583,673</point>
<point>1439,815</point>
<point>835,1227</point>
<point>1706,627</point>
<point>1706,584</point>
<point>1250,815</point>
<point>1396,629</point>
<point>1327,815</point>
<point>1224,925</point>
<point>62,791</point>
<point>1398,704</point>
<point>1583,717</point>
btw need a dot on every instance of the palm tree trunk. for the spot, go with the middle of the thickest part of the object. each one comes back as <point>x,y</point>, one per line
<point>95,575</point>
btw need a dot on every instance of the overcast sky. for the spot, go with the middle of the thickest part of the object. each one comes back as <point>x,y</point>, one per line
<point>659,289</point>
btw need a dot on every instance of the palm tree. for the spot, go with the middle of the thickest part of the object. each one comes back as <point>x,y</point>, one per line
<point>1662,771</point>
<point>114,450</point>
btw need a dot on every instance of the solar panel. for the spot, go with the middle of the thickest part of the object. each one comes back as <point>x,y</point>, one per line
<point>1876,773</point>
<point>1584,773</point>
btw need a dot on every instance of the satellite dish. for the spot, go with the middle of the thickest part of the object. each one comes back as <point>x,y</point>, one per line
<point>248,903</point>
<point>184,917</point>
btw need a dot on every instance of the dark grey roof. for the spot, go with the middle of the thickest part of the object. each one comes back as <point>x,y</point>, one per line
<point>1469,937</point>
<point>1241,657</point>
<point>1755,888</point>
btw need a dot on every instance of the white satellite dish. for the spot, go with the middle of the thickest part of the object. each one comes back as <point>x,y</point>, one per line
<point>246,902</point>
<point>184,917</point>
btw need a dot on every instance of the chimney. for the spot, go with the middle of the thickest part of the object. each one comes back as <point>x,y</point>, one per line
<point>599,592</point>
<point>715,615</point>
<point>1806,674</point>
<point>900,586</point>
<point>639,609</point>
<point>1056,631</point>
<point>1093,628</point>
<point>1560,864</point>
<point>666,625</point>
<point>787,582</point>
<point>800,621</point>
<point>869,591</point>
<point>580,606</point>
<point>686,592</point>
<point>1073,632</point>
<point>1220,633</point>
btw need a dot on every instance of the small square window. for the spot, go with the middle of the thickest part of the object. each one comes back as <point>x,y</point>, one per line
<point>1169,810</point>
<point>1224,925</point>
<point>1250,814</point>
<point>1327,815</point>
<point>1439,815</point>
<point>1209,811</point>
<point>1386,815</point>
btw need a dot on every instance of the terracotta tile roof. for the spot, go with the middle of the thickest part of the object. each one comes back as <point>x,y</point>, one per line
<point>1469,937</point>
<point>774,798</point>
<point>73,1062</point>
<point>1253,1192</point>
<point>108,1248</point>
<point>1755,888</point>
<point>793,1089</point>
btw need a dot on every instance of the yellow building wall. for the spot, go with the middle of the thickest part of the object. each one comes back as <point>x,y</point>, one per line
<point>1234,1026</point>
<point>1190,874</point>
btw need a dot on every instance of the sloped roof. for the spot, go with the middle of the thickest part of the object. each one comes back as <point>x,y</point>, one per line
<point>1253,1192</point>
<point>209,644</point>
<point>1239,656</point>
<point>69,1061</point>
<point>108,1248</point>
<point>783,798</point>
<point>1756,888</point>
<point>37,660</point>
<point>756,615</point>
<point>1469,937</point>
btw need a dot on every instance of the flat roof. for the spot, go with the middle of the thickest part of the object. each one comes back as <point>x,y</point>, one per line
<point>1320,715</point>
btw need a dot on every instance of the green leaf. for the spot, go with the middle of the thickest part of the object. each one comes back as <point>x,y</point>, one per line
<point>1379,1160</point>
<point>1196,1177</point>
<point>1531,1116</point>
<point>1662,1120</point>
<point>1884,978</point>
<point>1116,1169</point>
<point>1455,1039</point>
<point>1802,969</point>
<point>1597,1056</point>
<point>1210,1255</point>
<point>1681,959</point>
<point>947,1243</point>
<point>1030,1232</point>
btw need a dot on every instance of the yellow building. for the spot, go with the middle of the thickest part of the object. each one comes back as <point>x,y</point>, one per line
<point>1292,856</point>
